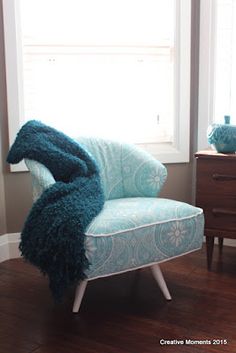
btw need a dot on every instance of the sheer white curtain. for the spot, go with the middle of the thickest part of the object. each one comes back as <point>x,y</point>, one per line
<point>100,67</point>
<point>225,61</point>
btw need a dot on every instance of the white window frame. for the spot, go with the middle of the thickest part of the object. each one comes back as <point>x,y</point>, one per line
<point>206,70</point>
<point>178,152</point>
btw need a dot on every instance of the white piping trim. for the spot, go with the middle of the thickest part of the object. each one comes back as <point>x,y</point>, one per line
<point>145,225</point>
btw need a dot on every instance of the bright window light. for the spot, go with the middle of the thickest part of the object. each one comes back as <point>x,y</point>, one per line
<point>225,61</point>
<point>106,68</point>
<point>103,68</point>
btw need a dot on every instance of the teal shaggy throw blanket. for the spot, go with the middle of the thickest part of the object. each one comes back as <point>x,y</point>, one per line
<point>53,234</point>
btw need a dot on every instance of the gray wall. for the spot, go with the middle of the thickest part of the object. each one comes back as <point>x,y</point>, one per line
<point>2,199</point>
<point>15,188</point>
<point>2,114</point>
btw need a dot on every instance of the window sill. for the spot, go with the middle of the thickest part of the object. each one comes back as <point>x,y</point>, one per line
<point>166,153</point>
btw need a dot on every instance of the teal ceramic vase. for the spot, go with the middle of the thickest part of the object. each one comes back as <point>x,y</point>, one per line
<point>222,137</point>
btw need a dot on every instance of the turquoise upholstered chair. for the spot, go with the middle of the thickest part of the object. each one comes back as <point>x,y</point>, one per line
<point>135,229</point>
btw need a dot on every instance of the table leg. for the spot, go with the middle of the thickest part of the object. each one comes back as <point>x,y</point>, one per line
<point>220,242</point>
<point>210,246</point>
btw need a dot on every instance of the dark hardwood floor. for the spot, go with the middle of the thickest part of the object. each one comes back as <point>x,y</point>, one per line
<point>125,313</point>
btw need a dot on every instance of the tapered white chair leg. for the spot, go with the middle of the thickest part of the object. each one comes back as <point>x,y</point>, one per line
<point>156,271</point>
<point>79,293</point>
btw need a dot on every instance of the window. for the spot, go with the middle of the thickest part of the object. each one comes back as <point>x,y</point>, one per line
<point>225,61</point>
<point>217,88</point>
<point>117,69</point>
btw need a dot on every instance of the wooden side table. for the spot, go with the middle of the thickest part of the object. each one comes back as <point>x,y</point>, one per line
<point>216,195</point>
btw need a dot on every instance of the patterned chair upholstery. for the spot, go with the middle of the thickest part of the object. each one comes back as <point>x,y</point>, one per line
<point>135,228</point>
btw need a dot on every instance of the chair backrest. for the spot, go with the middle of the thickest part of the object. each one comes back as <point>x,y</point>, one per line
<point>41,177</point>
<point>126,171</point>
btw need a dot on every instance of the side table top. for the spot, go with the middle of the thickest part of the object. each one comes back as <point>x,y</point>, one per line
<point>214,154</point>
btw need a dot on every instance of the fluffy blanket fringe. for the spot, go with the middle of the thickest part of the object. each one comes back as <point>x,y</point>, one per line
<point>53,234</point>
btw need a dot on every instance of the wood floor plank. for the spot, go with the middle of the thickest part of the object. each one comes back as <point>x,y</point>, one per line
<point>124,313</point>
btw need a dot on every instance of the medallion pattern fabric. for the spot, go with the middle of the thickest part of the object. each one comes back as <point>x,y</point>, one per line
<point>135,228</point>
<point>126,170</point>
<point>133,232</point>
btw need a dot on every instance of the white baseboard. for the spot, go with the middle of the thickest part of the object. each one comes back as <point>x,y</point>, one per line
<point>9,246</point>
<point>228,242</point>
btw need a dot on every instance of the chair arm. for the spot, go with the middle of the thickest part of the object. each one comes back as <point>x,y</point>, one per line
<point>143,175</point>
<point>42,178</point>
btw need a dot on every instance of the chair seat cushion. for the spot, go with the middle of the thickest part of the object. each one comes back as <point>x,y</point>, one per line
<point>135,232</point>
